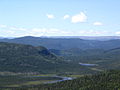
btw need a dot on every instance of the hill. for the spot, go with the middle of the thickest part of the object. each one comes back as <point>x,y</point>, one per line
<point>65,43</point>
<point>64,57</point>
<point>104,59</point>
<point>27,58</point>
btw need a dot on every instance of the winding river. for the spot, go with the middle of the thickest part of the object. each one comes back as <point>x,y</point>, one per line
<point>61,78</point>
<point>86,64</point>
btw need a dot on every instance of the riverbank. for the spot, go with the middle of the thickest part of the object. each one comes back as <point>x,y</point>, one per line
<point>28,81</point>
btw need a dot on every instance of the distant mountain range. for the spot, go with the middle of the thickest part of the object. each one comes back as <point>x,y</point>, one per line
<point>65,43</point>
<point>101,38</point>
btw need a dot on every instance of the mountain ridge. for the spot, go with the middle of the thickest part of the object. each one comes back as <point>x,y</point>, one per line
<point>65,43</point>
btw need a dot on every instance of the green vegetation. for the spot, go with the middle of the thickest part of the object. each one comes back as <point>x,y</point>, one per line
<point>104,59</point>
<point>19,61</point>
<point>26,58</point>
<point>66,57</point>
<point>24,80</point>
<point>108,80</point>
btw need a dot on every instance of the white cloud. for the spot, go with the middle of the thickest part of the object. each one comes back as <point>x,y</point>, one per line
<point>3,26</point>
<point>37,31</point>
<point>97,23</point>
<point>13,31</point>
<point>91,33</point>
<point>117,33</point>
<point>79,18</point>
<point>48,32</point>
<point>50,16</point>
<point>66,17</point>
<point>17,28</point>
<point>22,29</point>
<point>13,28</point>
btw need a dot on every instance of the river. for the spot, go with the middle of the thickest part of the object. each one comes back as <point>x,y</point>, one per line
<point>86,64</point>
<point>61,78</point>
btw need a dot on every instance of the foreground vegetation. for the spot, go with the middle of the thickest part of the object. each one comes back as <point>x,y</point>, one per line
<point>108,80</point>
<point>25,80</point>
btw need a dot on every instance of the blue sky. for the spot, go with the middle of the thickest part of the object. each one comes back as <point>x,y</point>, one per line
<point>59,18</point>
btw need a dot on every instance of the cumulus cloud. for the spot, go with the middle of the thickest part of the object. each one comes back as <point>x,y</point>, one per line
<point>79,18</point>
<point>117,33</point>
<point>97,23</point>
<point>50,16</point>
<point>66,17</point>
<point>16,28</point>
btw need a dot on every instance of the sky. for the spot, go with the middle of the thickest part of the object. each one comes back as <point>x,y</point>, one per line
<point>59,18</point>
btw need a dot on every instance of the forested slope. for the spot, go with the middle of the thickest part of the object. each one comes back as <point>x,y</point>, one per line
<point>109,80</point>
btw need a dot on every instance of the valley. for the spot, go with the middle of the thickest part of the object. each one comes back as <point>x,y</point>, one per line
<point>59,44</point>
<point>24,65</point>
<point>12,81</point>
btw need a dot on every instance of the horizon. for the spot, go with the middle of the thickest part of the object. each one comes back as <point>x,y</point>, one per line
<point>57,36</point>
<point>99,38</point>
<point>59,18</point>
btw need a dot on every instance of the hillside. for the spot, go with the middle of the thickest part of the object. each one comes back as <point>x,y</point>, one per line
<point>104,59</point>
<point>65,43</point>
<point>108,80</point>
<point>27,58</point>
<point>21,58</point>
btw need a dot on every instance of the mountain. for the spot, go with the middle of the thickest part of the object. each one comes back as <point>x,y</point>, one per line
<point>62,55</point>
<point>100,38</point>
<point>65,43</point>
<point>27,58</point>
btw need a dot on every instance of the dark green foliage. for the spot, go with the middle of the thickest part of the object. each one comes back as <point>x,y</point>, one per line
<point>109,80</point>
<point>105,59</point>
<point>26,58</point>
<point>74,50</point>
<point>22,80</point>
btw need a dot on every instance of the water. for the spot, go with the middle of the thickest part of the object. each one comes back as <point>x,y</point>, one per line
<point>55,81</point>
<point>63,79</point>
<point>86,64</point>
